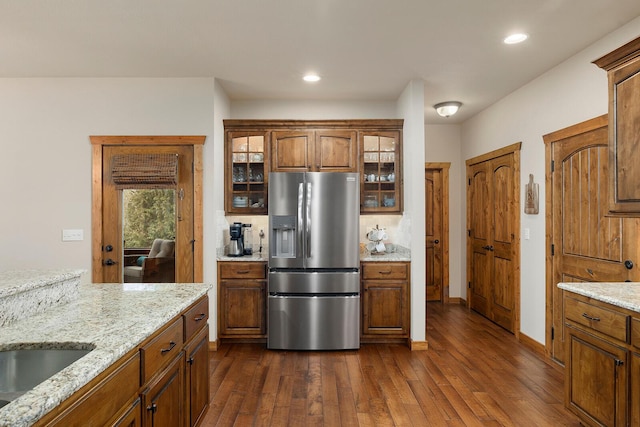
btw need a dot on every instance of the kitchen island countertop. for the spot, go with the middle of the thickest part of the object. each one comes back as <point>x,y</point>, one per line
<point>112,319</point>
<point>621,294</point>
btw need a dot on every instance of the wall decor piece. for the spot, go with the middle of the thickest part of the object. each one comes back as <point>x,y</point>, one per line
<point>531,197</point>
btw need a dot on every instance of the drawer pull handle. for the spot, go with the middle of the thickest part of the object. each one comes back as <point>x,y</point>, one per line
<point>595,319</point>
<point>242,271</point>
<point>199,318</point>
<point>385,272</point>
<point>166,350</point>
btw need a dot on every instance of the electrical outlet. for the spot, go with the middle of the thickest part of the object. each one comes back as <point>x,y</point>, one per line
<point>72,235</point>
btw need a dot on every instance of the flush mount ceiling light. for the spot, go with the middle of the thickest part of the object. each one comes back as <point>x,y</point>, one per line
<point>311,78</point>
<point>515,38</point>
<point>446,109</point>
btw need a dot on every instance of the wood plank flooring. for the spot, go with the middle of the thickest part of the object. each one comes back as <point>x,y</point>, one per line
<point>474,374</point>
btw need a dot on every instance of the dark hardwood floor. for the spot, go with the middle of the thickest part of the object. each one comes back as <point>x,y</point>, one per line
<point>474,374</point>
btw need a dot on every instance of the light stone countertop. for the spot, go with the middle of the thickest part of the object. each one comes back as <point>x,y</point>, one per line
<point>622,294</point>
<point>14,282</point>
<point>110,318</point>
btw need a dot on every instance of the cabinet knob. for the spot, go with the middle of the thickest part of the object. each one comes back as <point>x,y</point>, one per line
<point>628,264</point>
<point>436,241</point>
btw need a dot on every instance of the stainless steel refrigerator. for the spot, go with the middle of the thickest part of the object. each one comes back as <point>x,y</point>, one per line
<point>314,286</point>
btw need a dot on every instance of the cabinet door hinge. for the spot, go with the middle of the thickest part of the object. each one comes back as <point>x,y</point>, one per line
<point>553,165</point>
<point>553,335</point>
<point>469,285</point>
<point>469,233</point>
<point>469,181</point>
<point>553,250</point>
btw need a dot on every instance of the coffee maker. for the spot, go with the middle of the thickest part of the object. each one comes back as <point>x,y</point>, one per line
<point>236,244</point>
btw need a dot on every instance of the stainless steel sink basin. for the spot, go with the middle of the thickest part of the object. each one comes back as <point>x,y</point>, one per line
<point>23,369</point>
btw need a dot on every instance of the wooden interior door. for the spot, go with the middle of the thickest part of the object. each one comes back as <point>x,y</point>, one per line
<point>586,244</point>
<point>112,238</point>
<point>493,236</point>
<point>436,234</point>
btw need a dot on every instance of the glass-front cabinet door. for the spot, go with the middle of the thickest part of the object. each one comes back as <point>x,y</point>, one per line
<point>381,172</point>
<point>245,173</point>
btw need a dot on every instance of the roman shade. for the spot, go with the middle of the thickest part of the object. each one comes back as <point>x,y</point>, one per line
<point>144,170</point>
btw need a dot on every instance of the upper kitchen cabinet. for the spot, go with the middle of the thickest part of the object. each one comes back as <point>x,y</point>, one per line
<point>254,148</point>
<point>314,151</point>
<point>245,172</point>
<point>623,71</point>
<point>381,172</point>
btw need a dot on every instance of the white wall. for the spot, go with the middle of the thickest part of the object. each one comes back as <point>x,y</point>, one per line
<point>411,109</point>
<point>45,159</point>
<point>572,92</point>
<point>443,144</point>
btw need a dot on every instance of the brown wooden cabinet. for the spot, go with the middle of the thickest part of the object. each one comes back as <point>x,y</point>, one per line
<point>242,300</point>
<point>246,173</point>
<point>381,174</point>
<point>322,150</point>
<point>149,385</point>
<point>623,71</point>
<point>385,301</point>
<point>602,366</point>
<point>254,148</point>
<point>163,398</point>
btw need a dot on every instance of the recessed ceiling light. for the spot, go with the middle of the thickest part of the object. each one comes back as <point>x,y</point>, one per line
<point>311,78</point>
<point>515,38</point>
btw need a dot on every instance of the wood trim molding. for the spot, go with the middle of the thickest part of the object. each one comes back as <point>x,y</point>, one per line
<point>147,140</point>
<point>100,141</point>
<point>513,148</point>
<point>418,345</point>
<point>584,127</point>
<point>213,345</point>
<point>532,345</point>
<point>382,124</point>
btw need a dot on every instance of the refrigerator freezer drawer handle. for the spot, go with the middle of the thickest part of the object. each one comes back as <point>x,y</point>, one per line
<point>308,211</point>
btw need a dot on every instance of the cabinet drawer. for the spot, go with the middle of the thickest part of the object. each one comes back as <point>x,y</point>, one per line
<point>109,396</point>
<point>242,270</point>
<point>599,319</point>
<point>195,318</point>
<point>635,332</point>
<point>384,270</point>
<point>161,350</point>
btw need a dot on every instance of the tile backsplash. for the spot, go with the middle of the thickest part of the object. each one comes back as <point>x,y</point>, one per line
<point>398,228</point>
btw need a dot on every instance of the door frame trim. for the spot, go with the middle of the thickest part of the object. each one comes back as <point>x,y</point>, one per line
<point>514,149</point>
<point>97,144</point>
<point>444,167</point>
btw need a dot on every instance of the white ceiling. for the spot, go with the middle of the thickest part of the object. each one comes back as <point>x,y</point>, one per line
<point>259,49</point>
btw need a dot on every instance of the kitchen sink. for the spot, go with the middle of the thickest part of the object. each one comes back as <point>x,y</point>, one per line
<point>23,369</point>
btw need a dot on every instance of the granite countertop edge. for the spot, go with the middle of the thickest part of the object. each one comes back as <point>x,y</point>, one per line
<point>621,294</point>
<point>111,319</point>
<point>18,281</point>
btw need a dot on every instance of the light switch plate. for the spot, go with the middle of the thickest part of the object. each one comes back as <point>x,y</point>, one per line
<point>527,234</point>
<point>72,235</point>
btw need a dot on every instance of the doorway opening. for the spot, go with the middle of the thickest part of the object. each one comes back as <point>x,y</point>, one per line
<point>149,234</point>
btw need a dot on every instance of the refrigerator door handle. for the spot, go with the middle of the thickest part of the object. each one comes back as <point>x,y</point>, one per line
<point>308,225</point>
<point>299,230</point>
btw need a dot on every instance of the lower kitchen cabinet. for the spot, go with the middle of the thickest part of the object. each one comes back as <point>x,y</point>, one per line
<point>602,366</point>
<point>131,417</point>
<point>242,300</point>
<point>385,298</point>
<point>163,399</point>
<point>163,382</point>
<point>197,377</point>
